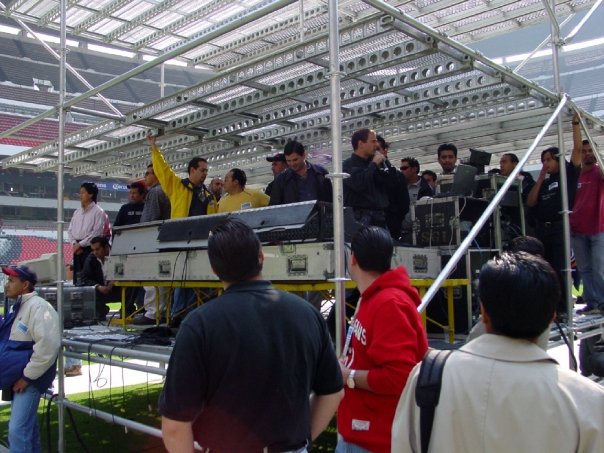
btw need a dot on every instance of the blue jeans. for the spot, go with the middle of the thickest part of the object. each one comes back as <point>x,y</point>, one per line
<point>70,361</point>
<point>183,298</point>
<point>347,447</point>
<point>23,431</point>
<point>589,254</point>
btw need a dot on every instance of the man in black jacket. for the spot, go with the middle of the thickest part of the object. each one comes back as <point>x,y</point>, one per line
<point>94,274</point>
<point>302,181</point>
<point>130,213</point>
<point>278,166</point>
<point>371,177</point>
<point>398,197</point>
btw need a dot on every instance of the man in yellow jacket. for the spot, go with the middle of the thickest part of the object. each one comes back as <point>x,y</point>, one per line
<point>188,196</point>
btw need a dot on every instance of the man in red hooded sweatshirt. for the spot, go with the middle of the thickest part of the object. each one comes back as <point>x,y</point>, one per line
<point>385,340</point>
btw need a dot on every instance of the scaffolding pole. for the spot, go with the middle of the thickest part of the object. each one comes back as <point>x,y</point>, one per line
<point>337,176</point>
<point>60,220</point>
<point>557,43</point>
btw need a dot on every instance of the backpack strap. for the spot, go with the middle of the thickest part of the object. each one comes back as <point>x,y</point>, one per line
<point>427,391</point>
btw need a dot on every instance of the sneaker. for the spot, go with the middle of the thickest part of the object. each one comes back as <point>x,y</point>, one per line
<point>587,310</point>
<point>143,321</point>
<point>75,370</point>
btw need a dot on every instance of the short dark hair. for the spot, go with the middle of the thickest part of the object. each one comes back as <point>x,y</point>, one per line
<point>102,240</point>
<point>292,146</point>
<point>528,244</point>
<point>513,157</point>
<point>360,136</point>
<point>431,174</point>
<point>447,147</point>
<point>413,163</point>
<point>520,293</point>
<point>554,151</point>
<point>139,186</point>
<point>585,142</point>
<point>372,247</point>
<point>239,175</point>
<point>233,249</point>
<point>383,143</point>
<point>92,189</point>
<point>194,163</point>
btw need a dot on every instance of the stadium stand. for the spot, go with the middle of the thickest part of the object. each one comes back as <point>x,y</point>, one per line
<point>44,130</point>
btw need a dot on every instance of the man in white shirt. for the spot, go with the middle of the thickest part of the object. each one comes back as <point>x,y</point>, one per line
<point>87,222</point>
<point>501,392</point>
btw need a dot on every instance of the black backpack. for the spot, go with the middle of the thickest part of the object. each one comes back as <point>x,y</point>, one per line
<point>427,391</point>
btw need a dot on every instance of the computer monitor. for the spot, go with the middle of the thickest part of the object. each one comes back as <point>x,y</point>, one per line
<point>45,267</point>
<point>479,159</point>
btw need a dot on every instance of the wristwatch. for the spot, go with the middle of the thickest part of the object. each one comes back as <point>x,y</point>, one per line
<point>350,381</point>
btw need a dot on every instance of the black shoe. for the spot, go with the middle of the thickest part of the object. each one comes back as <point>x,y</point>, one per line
<point>175,322</point>
<point>143,321</point>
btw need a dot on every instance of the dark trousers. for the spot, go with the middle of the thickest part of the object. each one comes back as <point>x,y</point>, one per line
<point>553,241</point>
<point>370,217</point>
<point>78,265</point>
<point>394,222</point>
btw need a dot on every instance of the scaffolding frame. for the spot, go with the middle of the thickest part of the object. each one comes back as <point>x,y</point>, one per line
<point>429,37</point>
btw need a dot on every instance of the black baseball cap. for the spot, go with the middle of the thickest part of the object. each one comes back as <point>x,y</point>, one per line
<point>279,157</point>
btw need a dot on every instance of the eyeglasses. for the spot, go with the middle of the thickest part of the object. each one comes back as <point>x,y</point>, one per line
<point>405,168</point>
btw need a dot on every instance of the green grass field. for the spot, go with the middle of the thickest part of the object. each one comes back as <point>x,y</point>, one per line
<point>137,403</point>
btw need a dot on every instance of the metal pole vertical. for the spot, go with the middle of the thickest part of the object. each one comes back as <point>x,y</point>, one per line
<point>337,175</point>
<point>557,43</point>
<point>301,20</point>
<point>162,79</point>
<point>60,221</point>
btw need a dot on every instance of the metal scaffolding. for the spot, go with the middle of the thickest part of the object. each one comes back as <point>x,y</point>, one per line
<point>314,74</point>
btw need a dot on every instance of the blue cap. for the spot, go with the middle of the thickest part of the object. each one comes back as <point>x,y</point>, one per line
<point>21,272</point>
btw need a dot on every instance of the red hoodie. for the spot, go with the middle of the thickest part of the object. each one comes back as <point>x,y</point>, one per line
<point>389,340</point>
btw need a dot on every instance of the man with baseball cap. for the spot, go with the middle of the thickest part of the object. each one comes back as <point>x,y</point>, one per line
<point>30,339</point>
<point>278,165</point>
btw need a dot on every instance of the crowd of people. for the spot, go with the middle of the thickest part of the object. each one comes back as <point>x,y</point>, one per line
<point>255,369</point>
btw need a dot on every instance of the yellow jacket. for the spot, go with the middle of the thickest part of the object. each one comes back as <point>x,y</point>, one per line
<point>179,191</point>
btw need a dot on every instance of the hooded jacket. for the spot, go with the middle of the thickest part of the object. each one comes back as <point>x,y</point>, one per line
<point>30,339</point>
<point>179,191</point>
<point>284,188</point>
<point>388,340</point>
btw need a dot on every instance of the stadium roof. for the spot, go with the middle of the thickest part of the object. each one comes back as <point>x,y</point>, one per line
<point>156,27</point>
<point>271,82</point>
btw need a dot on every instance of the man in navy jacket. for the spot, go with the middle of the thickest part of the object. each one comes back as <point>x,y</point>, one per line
<point>30,339</point>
